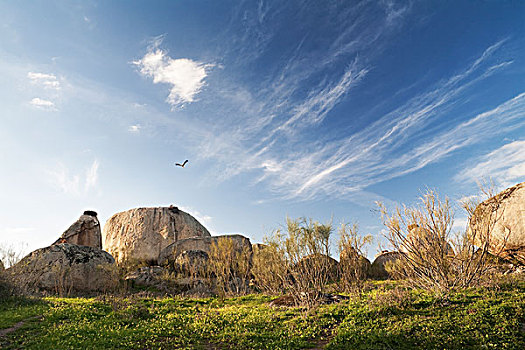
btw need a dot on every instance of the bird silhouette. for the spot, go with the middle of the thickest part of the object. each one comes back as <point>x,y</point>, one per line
<point>182,165</point>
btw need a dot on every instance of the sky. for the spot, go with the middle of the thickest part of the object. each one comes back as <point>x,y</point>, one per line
<point>313,109</point>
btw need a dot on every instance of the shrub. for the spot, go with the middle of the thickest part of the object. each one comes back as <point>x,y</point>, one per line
<point>269,268</point>
<point>10,255</point>
<point>230,264</point>
<point>353,266</point>
<point>434,259</point>
<point>303,252</point>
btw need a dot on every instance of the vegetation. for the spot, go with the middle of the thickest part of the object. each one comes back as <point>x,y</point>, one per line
<point>386,316</point>
<point>433,258</point>
<point>446,295</point>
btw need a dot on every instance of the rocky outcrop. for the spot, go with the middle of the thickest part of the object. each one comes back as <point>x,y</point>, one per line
<point>378,269</point>
<point>85,231</point>
<point>65,268</point>
<point>141,234</point>
<point>503,216</point>
<point>171,252</point>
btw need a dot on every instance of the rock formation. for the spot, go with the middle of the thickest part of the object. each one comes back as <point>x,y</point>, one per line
<point>85,231</point>
<point>171,252</point>
<point>150,276</point>
<point>64,268</point>
<point>141,234</point>
<point>504,217</point>
<point>378,269</point>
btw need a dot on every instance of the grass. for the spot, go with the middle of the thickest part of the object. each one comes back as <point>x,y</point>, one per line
<point>385,317</point>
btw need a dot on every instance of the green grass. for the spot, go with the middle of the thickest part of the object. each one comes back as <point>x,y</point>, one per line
<point>383,318</point>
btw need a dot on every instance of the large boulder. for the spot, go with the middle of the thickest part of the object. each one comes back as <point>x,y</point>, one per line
<point>503,216</point>
<point>378,269</point>
<point>85,231</point>
<point>169,255</point>
<point>65,268</point>
<point>141,234</point>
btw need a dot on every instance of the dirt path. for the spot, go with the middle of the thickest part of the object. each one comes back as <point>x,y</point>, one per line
<point>6,331</point>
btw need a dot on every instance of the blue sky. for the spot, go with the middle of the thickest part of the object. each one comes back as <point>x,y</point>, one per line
<point>298,108</point>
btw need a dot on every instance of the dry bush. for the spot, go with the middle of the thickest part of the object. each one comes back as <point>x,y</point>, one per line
<point>434,259</point>
<point>472,246</point>
<point>353,266</point>
<point>230,265</point>
<point>303,252</point>
<point>115,279</point>
<point>10,255</point>
<point>63,283</point>
<point>6,289</point>
<point>269,268</point>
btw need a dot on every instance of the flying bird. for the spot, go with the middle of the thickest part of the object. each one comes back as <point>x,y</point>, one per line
<point>182,165</point>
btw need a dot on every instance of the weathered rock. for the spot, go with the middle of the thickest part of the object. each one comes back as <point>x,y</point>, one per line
<point>171,252</point>
<point>378,269</point>
<point>349,258</point>
<point>1,266</point>
<point>192,262</point>
<point>85,231</point>
<point>141,234</point>
<point>150,276</point>
<point>504,217</point>
<point>64,268</point>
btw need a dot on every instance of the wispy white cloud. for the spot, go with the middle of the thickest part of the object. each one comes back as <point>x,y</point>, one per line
<point>43,104</point>
<point>185,76</point>
<point>92,176</point>
<point>74,184</point>
<point>48,81</point>
<point>345,166</point>
<point>506,165</point>
<point>134,128</point>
